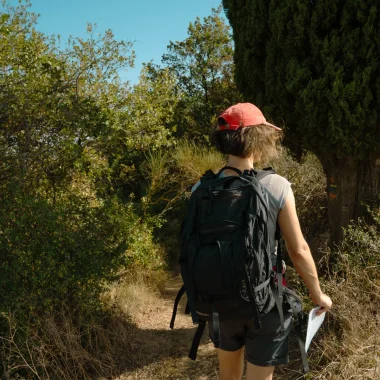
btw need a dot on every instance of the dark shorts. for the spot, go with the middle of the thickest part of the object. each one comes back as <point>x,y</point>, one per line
<point>264,347</point>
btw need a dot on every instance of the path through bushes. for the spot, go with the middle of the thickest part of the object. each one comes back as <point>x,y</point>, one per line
<point>161,353</point>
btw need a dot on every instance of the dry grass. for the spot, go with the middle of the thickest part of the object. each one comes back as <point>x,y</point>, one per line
<point>60,347</point>
<point>138,344</point>
<point>347,347</point>
<point>309,186</point>
<point>193,161</point>
<point>350,349</point>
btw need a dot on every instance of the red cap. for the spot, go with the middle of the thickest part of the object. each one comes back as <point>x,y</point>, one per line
<point>243,115</point>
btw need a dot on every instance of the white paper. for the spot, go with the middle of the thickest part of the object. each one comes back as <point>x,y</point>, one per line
<point>313,325</point>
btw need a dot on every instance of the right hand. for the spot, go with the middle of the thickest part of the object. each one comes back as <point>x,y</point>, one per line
<point>324,301</point>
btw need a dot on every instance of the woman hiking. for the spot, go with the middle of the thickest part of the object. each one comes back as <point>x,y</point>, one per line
<point>247,138</point>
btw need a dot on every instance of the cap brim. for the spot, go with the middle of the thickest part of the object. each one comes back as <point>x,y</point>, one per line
<point>273,126</point>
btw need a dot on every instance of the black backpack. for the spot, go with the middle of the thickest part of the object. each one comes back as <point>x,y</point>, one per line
<point>225,256</point>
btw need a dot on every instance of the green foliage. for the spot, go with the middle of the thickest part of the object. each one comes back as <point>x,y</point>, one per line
<point>145,123</point>
<point>63,234</point>
<point>94,66</point>
<point>204,69</point>
<point>143,250</point>
<point>309,188</point>
<point>59,253</point>
<point>361,244</point>
<point>169,175</point>
<point>53,103</point>
<point>89,167</point>
<point>314,64</point>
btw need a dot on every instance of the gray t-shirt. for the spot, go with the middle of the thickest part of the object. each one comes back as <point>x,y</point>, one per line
<point>277,192</point>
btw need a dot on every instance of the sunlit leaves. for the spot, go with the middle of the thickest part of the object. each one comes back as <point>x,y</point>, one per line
<point>203,65</point>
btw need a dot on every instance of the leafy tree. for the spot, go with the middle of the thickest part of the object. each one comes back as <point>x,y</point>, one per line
<point>145,123</point>
<point>203,64</point>
<point>52,103</point>
<point>314,66</point>
<point>66,121</point>
<point>58,233</point>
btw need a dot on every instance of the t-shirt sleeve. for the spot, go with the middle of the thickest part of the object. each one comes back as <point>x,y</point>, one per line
<point>278,188</point>
<point>287,188</point>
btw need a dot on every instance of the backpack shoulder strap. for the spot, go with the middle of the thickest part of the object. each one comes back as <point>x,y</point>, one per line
<point>230,168</point>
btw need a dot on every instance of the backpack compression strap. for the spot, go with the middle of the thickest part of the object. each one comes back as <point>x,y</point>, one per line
<point>301,341</point>
<point>180,293</point>
<point>176,302</point>
<point>277,291</point>
<point>278,296</point>
<point>197,339</point>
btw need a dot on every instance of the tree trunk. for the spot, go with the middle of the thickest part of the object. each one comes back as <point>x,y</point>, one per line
<point>341,180</point>
<point>368,187</point>
<point>351,186</point>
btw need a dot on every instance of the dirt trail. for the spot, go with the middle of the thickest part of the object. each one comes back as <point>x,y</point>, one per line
<point>161,353</point>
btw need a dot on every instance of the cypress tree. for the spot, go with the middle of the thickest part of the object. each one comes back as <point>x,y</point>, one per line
<point>314,67</point>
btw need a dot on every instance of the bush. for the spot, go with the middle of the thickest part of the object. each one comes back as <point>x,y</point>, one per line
<point>61,252</point>
<point>309,186</point>
<point>361,246</point>
<point>168,177</point>
<point>350,345</point>
<point>57,260</point>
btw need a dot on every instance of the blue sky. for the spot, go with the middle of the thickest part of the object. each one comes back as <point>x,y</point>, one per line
<point>150,24</point>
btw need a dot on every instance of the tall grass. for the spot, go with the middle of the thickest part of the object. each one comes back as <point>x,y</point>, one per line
<point>350,348</point>
<point>193,161</point>
<point>62,346</point>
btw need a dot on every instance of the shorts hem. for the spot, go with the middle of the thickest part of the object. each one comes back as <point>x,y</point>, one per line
<point>270,363</point>
<point>229,349</point>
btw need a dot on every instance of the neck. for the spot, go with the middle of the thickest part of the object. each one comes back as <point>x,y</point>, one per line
<point>240,163</point>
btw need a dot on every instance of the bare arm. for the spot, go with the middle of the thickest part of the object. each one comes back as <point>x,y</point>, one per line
<point>300,254</point>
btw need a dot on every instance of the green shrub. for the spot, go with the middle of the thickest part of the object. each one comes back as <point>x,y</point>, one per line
<point>61,252</point>
<point>168,176</point>
<point>349,348</point>
<point>57,260</point>
<point>309,186</point>
<point>143,249</point>
<point>361,245</point>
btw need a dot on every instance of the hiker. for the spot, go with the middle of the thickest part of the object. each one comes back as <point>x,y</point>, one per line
<point>247,138</point>
<point>213,241</point>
